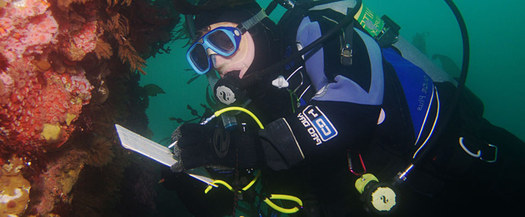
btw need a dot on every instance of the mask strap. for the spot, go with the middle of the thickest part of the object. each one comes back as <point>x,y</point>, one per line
<point>244,26</point>
<point>191,26</point>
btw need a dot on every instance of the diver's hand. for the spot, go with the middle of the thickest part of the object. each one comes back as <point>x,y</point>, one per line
<point>194,146</point>
<point>207,145</point>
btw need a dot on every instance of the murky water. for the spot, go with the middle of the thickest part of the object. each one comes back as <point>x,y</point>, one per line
<point>496,72</point>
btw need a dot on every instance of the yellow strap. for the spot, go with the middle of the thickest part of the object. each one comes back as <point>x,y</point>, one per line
<point>358,13</point>
<point>283,197</point>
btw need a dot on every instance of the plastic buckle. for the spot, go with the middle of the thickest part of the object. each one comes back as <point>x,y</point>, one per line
<point>346,55</point>
<point>389,34</point>
<point>288,4</point>
<point>242,29</point>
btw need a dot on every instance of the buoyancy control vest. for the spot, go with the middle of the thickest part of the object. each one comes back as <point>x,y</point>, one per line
<point>322,76</point>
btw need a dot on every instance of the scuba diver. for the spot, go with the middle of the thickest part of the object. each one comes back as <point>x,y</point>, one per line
<point>335,111</point>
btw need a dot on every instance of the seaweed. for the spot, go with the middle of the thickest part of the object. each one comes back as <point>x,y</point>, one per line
<point>65,5</point>
<point>103,50</point>
<point>179,120</point>
<point>100,152</point>
<point>192,79</point>
<point>112,3</point>
<point>196,116</point>
<point>128,54</point>
<point>118,28</point>
<point>192,110</point>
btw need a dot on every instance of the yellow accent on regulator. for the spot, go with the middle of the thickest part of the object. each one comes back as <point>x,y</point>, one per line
<point>362,181</point>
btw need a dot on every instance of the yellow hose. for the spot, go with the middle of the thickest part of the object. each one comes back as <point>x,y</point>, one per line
<point>249,185</point>
<point>272,196</point>
<point>266,200</point>
<point>225,184</point>
<point>236,108</point>
<point>283,197</point>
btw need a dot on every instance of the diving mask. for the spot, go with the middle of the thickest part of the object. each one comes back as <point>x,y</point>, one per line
<point>222,41</point>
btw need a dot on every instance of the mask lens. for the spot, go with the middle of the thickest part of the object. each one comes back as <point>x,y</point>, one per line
<point>199,57</point>
<point>220,40</point>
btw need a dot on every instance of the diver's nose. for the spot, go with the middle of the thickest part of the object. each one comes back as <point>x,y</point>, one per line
<point>218,61</point>
<point>214,57</point>
<point>210,52</point>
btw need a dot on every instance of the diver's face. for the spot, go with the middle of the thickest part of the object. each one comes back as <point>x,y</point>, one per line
<point>240,60</point>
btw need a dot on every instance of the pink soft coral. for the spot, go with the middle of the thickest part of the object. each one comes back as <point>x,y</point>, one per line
<point>26,28</point>
<point>41,107</point>
<point>81,42</point>
<point>38,106</point>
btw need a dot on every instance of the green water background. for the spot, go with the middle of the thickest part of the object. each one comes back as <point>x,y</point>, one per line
<point>496,72</point>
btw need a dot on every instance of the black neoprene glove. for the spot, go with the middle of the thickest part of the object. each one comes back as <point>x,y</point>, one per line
<point>194,146</point>
<point>199,145</point>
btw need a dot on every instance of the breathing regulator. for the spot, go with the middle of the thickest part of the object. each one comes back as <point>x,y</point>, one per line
<point>379,197</point>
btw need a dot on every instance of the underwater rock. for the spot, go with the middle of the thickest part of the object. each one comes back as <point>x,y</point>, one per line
<point>54,185</point>
<point>14,188</point>
<point>67,73</point>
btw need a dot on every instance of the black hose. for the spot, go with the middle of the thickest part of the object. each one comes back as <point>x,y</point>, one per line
<point>466,48</point>
<point>252,78</point>
<point>442,124</point>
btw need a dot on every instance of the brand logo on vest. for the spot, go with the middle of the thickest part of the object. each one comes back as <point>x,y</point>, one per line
<point>317,124</point>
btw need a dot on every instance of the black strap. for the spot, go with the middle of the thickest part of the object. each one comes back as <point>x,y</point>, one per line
<point>257,76</point>
<point>346,44</point>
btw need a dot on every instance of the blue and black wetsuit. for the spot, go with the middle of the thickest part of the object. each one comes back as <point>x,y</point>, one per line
<point>375,115</point>
<point>380,113</point>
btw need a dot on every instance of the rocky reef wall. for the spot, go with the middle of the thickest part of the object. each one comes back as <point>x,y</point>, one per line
<point>69,70</point>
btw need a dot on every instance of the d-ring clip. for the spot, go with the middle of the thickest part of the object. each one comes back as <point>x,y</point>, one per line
<point>476,155</point>
<point>495,154</point>
<point>479,153</point>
